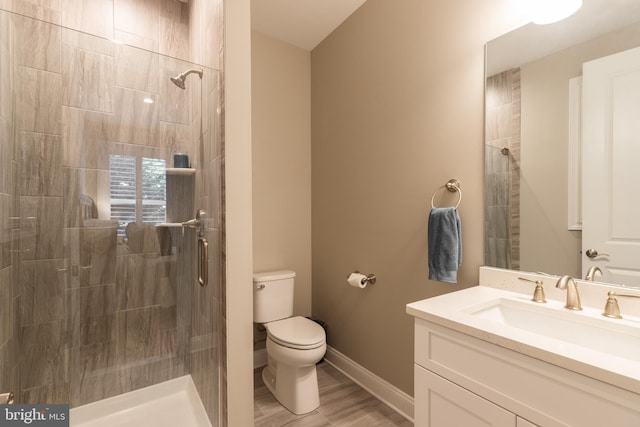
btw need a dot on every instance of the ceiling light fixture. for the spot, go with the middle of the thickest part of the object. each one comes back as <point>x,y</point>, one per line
<point>550,11</point>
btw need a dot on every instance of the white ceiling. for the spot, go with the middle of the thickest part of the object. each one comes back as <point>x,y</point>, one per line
<point>530,42</point>
<point>302,23</point>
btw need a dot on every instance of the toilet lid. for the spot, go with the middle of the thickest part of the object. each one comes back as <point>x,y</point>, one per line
<point>296,332</point>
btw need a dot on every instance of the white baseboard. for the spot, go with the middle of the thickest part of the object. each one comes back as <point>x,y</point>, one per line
<point>383,390</point>
<point>392,396</point>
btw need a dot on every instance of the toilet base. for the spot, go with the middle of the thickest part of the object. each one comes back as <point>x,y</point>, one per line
<point>295,388</point>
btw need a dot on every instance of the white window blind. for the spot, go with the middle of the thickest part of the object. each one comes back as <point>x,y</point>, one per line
<point>124,186</point>
<point>154,193</point>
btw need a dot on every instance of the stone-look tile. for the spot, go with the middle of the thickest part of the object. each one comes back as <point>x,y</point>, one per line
<point>40,157</point>
<point>88,79</point>
<point>212,115</point>
<point>137,122</point>
<point>6,157</point>
<point>177,139</point>
<point>7,314</point>
<point>88,42</point>
<point>203,368</point>
<point>44,10</point>
<point>7,235</point>
<point>137,69</point>
<point>174,29</point>
<point>78,315</point>
<point>42,296</point>
<point>215,266</point>
<point>175,102</point>
<point>43,361</point>
<point>214,182</point>
<point>98,255</point>
<point>103,383</point>
<point>140,337</point>
<point>6,64</point>
<point>37,44</point>
<point>137,17</point>
<point>92,310</point>
<point>41,234</point>
<point>37,106</point>
<point>90,360</point>
<point>10,364</point>
<point>142,239</point>
<point>139,280</point>
<point>94,17</point>
<point>180,199</point>
<point>81,188</point>
<point>50,393</point>
<point>86,138</point>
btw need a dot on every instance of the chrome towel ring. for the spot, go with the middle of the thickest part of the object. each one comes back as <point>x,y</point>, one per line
<point>452,185</point>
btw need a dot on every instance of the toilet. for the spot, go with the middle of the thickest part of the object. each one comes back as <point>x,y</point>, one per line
<point>294,344</point>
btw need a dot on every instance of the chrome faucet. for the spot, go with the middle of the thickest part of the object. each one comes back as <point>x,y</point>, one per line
<point>566,283</point>
<point>593,271</point>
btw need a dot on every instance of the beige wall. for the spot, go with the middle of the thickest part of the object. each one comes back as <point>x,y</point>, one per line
<point>281,150</point>
<point>545,107</point>
<point>238,229</point>
<point>397,110</point>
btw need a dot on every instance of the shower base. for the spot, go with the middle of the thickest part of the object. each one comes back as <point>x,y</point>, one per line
<point>168,404</point>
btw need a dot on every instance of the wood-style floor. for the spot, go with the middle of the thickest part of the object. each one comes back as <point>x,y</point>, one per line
<point>342,403</point>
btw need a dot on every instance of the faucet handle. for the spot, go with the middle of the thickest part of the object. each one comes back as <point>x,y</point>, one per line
<point>611,308</point>
<point>538,293</point>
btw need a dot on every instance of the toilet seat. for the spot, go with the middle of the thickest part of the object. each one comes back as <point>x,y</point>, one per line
<point>297,333</point>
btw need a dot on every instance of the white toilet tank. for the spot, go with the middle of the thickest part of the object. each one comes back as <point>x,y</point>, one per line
<point>272,295</point>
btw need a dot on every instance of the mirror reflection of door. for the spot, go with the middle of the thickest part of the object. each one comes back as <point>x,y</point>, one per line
<point>611,166</point>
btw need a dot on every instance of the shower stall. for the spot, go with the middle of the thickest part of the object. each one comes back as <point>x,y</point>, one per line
<point>502,170</point>
<point>99,289</point>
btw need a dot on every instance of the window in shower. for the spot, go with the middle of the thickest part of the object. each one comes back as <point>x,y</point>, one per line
<point>124,187</point>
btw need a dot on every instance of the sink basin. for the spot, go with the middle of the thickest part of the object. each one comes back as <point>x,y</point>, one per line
<point>588,330</point>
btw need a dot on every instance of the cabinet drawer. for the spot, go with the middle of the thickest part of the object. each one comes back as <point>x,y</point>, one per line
<point>440,403</point>
<point>541,392</point>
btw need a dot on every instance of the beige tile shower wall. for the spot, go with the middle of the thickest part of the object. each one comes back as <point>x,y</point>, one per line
<point>502,171</point>
<point>156,25</point>
<point>208,331</point>
<point>397,110</point>
<point>9,291</point>
<point>97,315</point>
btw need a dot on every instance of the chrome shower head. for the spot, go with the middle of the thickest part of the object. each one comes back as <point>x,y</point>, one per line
<point>180,78</point>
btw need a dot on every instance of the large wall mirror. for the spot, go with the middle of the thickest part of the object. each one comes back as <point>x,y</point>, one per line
<point>562,145</point>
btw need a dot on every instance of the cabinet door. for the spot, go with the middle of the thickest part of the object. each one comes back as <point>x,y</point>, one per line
<point>441,403</point>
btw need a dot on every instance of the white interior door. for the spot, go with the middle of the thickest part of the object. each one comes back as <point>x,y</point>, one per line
<point>611,166</point>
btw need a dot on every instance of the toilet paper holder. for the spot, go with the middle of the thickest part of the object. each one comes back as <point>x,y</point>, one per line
<point>371,278</point>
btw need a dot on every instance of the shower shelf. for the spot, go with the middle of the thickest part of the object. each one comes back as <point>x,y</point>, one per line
<point>180,171</point>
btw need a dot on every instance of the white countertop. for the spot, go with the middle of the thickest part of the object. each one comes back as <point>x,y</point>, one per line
<point>449,311</point>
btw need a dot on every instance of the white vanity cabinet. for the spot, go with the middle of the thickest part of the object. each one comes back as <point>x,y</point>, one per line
<point>465,380</point>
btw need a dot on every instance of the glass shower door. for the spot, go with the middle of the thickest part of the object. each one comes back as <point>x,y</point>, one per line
<point>98,294</point>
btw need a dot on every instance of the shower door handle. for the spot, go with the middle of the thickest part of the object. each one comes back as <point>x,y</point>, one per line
<point>203,261</point>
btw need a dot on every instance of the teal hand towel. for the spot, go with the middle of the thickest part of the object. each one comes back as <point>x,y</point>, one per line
<point>444,244</point>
